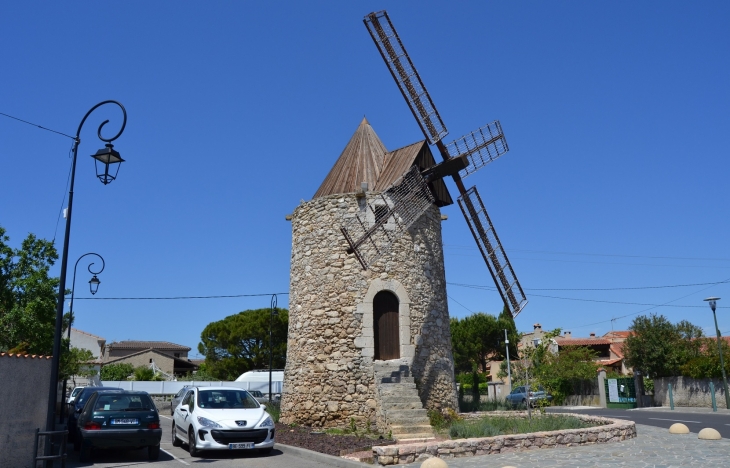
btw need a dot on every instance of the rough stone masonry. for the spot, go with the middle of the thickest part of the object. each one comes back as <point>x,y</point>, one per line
<point>329,377</point>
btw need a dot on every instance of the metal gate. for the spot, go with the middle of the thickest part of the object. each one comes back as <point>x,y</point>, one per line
<point>620,393</point>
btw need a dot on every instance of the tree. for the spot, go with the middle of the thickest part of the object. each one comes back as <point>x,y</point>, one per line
<point>116,372</point>
<point>475,340</point>
<point>240,343</point>
<point>27,295</point>
<point>75,362</point>
<point>507,322</point>
<point>659,348</point>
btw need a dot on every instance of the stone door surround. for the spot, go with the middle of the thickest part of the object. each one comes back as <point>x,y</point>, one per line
<point>366,340</point>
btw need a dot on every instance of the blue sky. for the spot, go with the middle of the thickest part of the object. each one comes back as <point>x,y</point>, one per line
<point>616,114</point>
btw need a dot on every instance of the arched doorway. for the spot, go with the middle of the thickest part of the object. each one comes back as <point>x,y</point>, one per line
<point>385,323</point>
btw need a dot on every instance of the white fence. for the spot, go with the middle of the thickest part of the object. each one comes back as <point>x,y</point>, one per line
<point>171,388</point>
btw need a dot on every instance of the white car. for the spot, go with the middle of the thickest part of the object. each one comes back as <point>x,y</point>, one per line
<point>74,393</point>
<point>222,418</point>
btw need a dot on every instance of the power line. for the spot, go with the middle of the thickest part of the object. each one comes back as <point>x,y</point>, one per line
<point>172,298</point>
<point>39,126</point>
<point>462,305</point>
<point>597,289</point>
<point>465,247</point>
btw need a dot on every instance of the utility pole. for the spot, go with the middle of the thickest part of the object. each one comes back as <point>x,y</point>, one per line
<point>509,371</point>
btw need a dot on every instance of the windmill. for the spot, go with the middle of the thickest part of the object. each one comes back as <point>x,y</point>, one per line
<point>390,213</point>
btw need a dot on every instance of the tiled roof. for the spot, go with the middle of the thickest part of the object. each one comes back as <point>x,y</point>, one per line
<point>582,341</point>
<point>85,333</point>
<point>147,345</point>
<point>608,362</point>
<point>617,349</point>
<point>25,356</point>
<point>618,334</point>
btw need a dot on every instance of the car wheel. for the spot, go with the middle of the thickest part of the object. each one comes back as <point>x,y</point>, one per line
<point>77,444</point>
<point>153,452</point>
<point>85,452</point>
<point>192,449</point>
<point>175,441</point>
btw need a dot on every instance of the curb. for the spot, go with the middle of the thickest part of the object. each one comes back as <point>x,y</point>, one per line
<point>330,460</point>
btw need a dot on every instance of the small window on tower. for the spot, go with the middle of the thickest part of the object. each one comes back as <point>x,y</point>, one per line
<point>177,355</point>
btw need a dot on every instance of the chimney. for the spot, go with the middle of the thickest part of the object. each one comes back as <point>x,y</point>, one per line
<point>567,334</point>
<point>593,335</point>
<point>537,327</point>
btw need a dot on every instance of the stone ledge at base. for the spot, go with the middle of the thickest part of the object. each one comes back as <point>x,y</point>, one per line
<point>611,430</point>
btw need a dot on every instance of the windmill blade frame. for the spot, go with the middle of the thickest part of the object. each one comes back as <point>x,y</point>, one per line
<point>482,229</point>
<point>481,147</point>
<point>405,75</point>
<point>387,216</point>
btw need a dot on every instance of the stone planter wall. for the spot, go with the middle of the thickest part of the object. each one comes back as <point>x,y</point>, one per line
<point>610,430</point>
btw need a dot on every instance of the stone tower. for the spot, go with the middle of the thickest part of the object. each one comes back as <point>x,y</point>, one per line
<point>373,345</point>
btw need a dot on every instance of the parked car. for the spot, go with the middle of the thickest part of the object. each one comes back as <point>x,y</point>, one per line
<point>78,406</point>
<point>178,398</point>
<point>520,396</point>
<point>222,418</point>
<point>74,393</point>
<point>260,397</point>
<point>123,419</point>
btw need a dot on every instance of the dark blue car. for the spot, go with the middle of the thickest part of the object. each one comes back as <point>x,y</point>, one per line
<point>78,405</point>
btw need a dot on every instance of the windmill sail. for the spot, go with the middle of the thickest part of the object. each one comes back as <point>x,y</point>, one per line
<point>405,74</point>
<point>486,238</point>
<point>386,217</point>
<point>481,147</point>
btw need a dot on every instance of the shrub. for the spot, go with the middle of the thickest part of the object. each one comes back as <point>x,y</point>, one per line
<point>274,409</point>
<point>494,425</point>
<point>116,372</point>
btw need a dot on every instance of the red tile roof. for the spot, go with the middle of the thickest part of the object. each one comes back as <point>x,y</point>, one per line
<point>581,341</point>
<point>619,334</point>
<point>26,356</point>
<point>147,345</point>
<point>617,349</point>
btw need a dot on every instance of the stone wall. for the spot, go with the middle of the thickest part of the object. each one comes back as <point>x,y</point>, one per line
<point>23,405</point>
<point>607,430</point>
<point>329,371</point>
<point>687,391</point>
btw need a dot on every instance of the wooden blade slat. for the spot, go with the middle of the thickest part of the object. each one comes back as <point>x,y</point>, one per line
<point>399,63</point>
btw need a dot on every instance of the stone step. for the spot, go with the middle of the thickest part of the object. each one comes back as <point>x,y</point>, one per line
<point>396,387</point>
<point>411,429</point>
<point>414,438</point>
<point>412,413</point>
<point>395,379</point>
<point>401,403</point>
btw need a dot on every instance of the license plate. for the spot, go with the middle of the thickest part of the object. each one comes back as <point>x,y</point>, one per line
<point>126,421</point>
<point>241,445</point>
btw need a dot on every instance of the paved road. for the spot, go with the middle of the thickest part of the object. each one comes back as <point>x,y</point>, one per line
<point>178,457</point>
<point>694,418</point>
<point>654,447</point>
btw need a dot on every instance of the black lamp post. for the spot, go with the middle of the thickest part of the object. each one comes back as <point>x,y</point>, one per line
<point>93,287</point>
<point>111,160</point>
<point>271,346</point>
<point>713,305</point>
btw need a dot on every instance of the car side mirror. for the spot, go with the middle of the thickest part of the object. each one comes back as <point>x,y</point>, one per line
<point>184,408</point>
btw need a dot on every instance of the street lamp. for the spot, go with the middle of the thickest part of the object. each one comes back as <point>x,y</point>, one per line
<point>713,305</point>
<point>271,346</point>
<point>93,287</point>
<point>107,158</point>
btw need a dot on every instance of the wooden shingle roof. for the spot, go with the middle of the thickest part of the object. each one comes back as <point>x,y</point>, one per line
<point>360,161</point>
<point>365,159</point>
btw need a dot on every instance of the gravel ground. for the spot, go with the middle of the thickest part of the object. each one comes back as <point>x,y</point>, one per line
<point>313,439</point>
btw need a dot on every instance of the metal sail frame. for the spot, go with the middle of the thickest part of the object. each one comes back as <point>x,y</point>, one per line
<point>480,147</point>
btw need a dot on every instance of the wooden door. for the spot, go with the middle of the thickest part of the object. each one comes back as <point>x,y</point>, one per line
<point>385,321</point>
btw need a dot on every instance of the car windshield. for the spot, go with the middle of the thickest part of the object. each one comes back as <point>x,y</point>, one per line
<point>256,393</point>
<point>222,399</point>
<point>123,402</point>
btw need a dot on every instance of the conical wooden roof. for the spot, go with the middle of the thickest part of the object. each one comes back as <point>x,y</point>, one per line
<point>360,161</point>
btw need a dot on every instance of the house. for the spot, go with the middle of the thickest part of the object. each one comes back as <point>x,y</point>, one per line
<point>171,358</point>
<point>84,340</point>
<point>609,348</point>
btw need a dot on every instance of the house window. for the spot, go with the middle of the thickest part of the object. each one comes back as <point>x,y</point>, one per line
<point>177,355</point>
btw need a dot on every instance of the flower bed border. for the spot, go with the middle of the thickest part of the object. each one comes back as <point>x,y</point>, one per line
<point>608,430</point>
